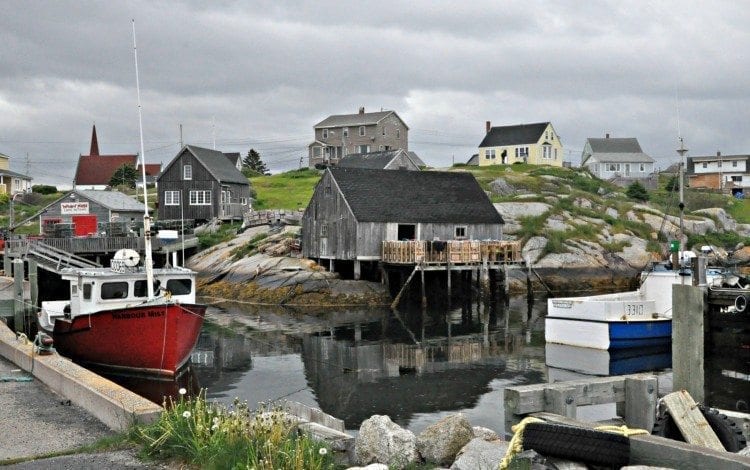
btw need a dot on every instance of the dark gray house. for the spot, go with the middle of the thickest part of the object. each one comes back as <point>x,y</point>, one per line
<point>385,160</point>
<point>353,210</point>
<point>202,184</point>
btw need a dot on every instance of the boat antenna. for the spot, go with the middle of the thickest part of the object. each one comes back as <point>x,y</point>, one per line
<point>681,151</point>
<point>146,217</point>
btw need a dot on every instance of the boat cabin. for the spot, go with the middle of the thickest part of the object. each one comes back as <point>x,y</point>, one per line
<point>99,289</point>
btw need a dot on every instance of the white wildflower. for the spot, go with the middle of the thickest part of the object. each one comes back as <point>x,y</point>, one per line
<point>215,427</point>
<point>216,420</point>
<point>323,451</point>
<point>183,391</point>
<point>186,414</point>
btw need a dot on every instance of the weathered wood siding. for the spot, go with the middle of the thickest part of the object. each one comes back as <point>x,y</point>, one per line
<point>402,162</point>
<point>171,180</point>
<point>102,213</point>
<point>327,207</point>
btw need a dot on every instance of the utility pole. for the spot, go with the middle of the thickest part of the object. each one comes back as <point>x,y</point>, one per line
<point>213,130</point>
<point>181,144</point>
<point>682,151</point>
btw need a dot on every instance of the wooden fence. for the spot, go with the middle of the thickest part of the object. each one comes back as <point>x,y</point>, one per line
<point>451,251</point>
<point>18,247</point>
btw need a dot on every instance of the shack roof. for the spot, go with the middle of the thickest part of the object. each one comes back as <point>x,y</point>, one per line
<point>415,196</point>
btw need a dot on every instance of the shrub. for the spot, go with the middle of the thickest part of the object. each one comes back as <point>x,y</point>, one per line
<point>211,435</point>
<point>637,191</point>
<point>44,189</point>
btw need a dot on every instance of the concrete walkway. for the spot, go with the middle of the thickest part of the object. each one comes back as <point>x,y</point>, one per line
<point>34,420</point>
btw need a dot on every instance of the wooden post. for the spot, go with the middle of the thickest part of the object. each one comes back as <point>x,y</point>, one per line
<point>357,270</point>
<point>640,402</point>
<point>6,263</point>
<point>19,312</point>
<point>448,270</point>
<point>506,285</point>
<point>424,295</point>
<point>689,309</point>
<point>395,302</point>
<point>34,282</point>
<point>561,401</point>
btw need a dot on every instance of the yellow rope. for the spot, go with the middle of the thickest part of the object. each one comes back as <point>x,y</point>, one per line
<point>624,430</point>
<point>516,443</point>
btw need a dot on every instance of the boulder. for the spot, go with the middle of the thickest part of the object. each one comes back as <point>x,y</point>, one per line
<point>515,210</point>
<point>533,249</point>
<point>380,440</point>
<point>583,203</point>
<point>741,256</point>
<point>479,453</point>
<point>440,442</point>
<point>485,433</point>
<point>725,221</point>
<point>502,188</point>
<point>612,212</point>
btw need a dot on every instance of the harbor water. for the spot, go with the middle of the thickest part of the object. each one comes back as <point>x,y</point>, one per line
<point>412,366</point>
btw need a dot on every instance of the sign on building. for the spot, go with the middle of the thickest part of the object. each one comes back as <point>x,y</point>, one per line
<point>72,208</point>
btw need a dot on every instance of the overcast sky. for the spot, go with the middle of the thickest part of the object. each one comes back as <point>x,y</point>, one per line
<point>264,72</point>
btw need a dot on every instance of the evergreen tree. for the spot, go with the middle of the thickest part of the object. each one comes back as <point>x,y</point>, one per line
<point>126,175</point>
<point>253,162</point>
<point>637,191</point>
<point>673,184</point>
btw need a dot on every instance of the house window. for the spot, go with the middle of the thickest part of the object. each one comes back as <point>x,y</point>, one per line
<point>705,165</point>
<point>381,148</point>
<point>324,230</point>
<point>327,190</point>
<point>719,164</point>
<point>737,179</point>
<point>546,151</point>
<point>398,133</point>
<point>384,131</point>
<point>522,152</point>
<point>361,131</point>
<point>460,231</point>
<point>200,198</point>
<point>325,133</point>
<point>734,164</point>
<point>187,172</point>
<point>489,154</point>
<point>555,154</point>
<point>642,167</point>
<point>87,291</point>
<point>363,148</point>
<point>243,201</point>
<point>345,132</point>
<point>613,167</point>
<point>171,198</point>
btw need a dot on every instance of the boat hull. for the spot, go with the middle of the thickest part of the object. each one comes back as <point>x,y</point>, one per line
<point>608,334</point>
<point>149,339</point>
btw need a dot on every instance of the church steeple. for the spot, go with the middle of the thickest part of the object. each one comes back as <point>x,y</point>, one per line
<point>94,143</point>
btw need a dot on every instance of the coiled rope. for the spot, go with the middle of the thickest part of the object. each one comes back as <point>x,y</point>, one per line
<point>515,446</point>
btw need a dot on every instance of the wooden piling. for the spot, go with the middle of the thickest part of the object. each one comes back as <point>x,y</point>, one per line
<point>424,292</point>
<point>19,310</point>
<point>34,282</point>
<point>689,324</point>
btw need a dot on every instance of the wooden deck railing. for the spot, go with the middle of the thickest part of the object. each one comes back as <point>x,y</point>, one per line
<point>17,247</point>
<point>451,251</point>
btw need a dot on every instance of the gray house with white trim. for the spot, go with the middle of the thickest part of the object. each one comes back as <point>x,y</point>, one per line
<point>613,157</point>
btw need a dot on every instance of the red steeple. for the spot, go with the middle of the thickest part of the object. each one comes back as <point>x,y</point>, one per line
<point>94,143</point>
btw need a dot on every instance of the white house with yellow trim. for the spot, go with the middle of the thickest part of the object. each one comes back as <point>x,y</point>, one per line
<point>536,144</point>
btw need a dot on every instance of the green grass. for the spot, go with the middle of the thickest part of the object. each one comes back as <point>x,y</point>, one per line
<point>739,209</point>
<point>224,233</point>
<point>105,444</point>
<point>249,248</point>
<point>212,436</point>
<point>291,190</point>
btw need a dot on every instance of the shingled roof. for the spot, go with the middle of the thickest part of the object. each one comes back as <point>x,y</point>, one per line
<point>358,119</point>
<point>415,196</point>
<point>96,169</point>
<point>373,160</point>
<point>514,135</point>
<point>215,162</point>
<point>616,150</point>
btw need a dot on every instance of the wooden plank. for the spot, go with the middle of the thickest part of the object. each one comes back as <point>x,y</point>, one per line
<point>640,402</point>
<point>561,401</point>
<point>662,452</point>
<point>689,419</point>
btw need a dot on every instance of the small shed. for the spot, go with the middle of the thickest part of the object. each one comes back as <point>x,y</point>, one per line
<point>353,210</point>
<point>83,210</point>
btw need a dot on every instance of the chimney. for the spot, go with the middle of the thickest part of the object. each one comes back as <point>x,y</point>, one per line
<point>718,154</point>
<point>361,110</point>
<point>606,136</point>
<point>488,126</point>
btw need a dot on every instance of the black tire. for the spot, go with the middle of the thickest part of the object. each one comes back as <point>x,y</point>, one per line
<point>580,444</point>
<point>726,430</point>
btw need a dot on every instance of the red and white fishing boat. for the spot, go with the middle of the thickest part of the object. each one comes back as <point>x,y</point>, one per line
<point>111,322</point>
<point>127,317</point>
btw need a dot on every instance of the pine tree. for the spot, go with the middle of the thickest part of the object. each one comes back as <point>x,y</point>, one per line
<point>253,162</point>
<point>125,175</point>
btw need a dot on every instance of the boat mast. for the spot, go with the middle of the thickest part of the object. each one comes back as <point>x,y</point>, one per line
<point>146,217</point>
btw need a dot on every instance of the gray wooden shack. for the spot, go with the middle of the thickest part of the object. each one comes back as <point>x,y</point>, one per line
<point>87,209</point>
<point>202,184</point>
<point>353,210</point>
